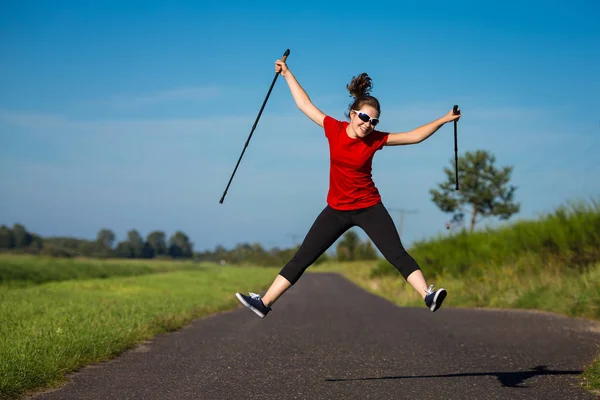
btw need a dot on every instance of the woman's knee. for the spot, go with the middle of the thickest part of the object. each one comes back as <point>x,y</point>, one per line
<point>404,263</point>
<point>293,269</point>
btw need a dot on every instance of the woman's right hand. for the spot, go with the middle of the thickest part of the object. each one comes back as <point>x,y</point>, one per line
<point>281,67</point>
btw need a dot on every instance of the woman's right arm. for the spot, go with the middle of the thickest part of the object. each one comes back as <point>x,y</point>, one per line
<point>300,97</point>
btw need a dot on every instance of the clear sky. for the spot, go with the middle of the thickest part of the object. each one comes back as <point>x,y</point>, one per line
<point>123,114</point>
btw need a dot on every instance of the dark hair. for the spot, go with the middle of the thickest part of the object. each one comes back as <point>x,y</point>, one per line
<point>360,88</point>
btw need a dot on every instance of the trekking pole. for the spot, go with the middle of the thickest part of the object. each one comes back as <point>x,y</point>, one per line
<point>455,111</point>
<point>285,55</point>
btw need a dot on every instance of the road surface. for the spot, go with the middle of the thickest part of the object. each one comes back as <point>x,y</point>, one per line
<point>328,339</point>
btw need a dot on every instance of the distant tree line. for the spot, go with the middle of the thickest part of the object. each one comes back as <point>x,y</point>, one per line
<point>485,192</point>
<point>177,246</point>
<point>154,245</point>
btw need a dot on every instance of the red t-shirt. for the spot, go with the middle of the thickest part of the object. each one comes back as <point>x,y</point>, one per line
<point>350,181</point>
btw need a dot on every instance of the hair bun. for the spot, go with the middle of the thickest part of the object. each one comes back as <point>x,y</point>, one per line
<point>360,86</point>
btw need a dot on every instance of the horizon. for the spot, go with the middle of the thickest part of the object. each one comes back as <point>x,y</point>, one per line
<point>125,116</point>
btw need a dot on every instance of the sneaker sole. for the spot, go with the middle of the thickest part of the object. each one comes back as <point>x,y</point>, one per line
<point>248,305</point>
<point>438,299</point>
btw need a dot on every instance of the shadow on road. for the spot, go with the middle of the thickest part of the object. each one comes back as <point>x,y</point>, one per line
<point>508,379</point>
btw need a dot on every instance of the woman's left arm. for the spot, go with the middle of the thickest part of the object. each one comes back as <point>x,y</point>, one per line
<point>421,133</point>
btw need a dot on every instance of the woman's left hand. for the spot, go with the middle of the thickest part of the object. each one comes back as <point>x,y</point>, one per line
<point>451,116</point>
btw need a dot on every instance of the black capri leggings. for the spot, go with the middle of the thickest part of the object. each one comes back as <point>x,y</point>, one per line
<point>331,224</point>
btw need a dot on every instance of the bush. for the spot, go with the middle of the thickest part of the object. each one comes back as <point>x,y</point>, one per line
<point>383,268</point>
<point>568,238</point>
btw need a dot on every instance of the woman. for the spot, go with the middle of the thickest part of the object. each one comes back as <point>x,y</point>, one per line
<point>353,199</point>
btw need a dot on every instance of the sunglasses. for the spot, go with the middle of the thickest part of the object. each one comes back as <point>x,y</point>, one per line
<point>367,118</point>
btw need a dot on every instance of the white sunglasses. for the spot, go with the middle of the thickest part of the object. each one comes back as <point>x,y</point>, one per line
<point>366,118</point>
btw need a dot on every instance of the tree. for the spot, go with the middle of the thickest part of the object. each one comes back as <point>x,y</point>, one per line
<point>136,243</point>
<point>37,242</point>
<point>221,254</point>
<point>105,239</point>
<point>366,251</point>
<point>346,248</point>
<point>180,246</point>
<point>156,240</point>
<point>103,246</point>
<point>147,251</point>
<point>483,188</point>
<point>124,250</point>
<point>241,253</point>
<point>7,238</point>
<point>86,248</point>
<point>133,247</point>
<point>22,238</point>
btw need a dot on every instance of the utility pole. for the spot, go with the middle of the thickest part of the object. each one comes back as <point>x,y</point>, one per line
<point>402,211</point>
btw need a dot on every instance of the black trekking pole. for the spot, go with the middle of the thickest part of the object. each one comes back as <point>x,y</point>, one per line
<point>455,111</point>
<point>287,53</point>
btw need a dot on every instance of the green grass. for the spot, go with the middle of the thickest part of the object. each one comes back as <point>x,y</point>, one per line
<point>25,270</point>
<point>570,293</point>
<point>591,376</point>
<point>569,238</point>
<point>50,330</point>
<point>55,318</point>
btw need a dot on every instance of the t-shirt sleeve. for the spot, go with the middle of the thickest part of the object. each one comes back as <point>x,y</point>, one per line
<point>331,126</point>
<point>380,139</point>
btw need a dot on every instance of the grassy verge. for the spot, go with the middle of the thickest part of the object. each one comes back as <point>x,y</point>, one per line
<point>568,238</point>
<point>25,270</point>
<point>50,330</point>
<point>591,376</point>
<point>566,292</point>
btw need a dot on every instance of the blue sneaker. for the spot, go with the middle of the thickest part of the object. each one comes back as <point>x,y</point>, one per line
<point>254,303</point>
<point>434,299</point>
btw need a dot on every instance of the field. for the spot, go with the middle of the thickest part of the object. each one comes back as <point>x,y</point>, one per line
<point>60,314</point>
<point>51,329</point>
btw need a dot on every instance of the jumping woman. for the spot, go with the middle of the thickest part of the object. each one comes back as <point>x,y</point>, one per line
<point>353,199</point>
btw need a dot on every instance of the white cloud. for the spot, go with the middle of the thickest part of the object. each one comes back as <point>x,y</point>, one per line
<point>51,123</point>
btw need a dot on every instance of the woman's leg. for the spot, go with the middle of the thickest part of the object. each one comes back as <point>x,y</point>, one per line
<point>279,286</point>
<point>379,226</point>
<point>327,228</point>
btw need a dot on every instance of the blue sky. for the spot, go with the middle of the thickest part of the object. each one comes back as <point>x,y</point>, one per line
<point>126,115</point>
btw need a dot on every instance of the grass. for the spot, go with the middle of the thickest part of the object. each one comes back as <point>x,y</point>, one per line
<point>50,330</point>
<point>591,376</point>
<point>569,293</point>
<point>569,238</point>
<point>25,270</point>
<point>56,317</point>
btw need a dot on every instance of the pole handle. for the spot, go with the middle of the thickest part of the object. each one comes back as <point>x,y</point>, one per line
<point>456,111</point>
<point>285,56</point>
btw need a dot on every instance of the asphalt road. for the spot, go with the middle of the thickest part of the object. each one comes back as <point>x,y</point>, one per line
<point>328,339</point>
